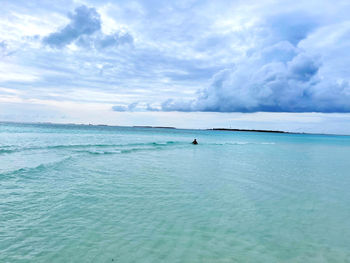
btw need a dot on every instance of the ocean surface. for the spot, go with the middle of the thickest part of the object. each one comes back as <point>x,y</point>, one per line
<point>74,193</point>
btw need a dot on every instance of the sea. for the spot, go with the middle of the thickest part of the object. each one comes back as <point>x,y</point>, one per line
<point>84,193</point>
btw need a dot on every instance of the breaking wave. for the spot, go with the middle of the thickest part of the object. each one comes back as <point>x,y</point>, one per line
<point>11,149</point>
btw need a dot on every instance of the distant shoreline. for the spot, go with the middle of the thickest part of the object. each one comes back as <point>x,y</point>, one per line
<point>173,128</point>
<point>250,130</point>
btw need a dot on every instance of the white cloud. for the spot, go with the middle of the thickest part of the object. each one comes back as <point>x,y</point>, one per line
<point>292,69</point>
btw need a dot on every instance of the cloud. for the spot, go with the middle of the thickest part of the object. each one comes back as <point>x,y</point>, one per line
<point>84,21</point>
<point>100,41</point>
<point>130,107</point>
<point>282,74</point>
<point>119,108</point>
<point>292,27</point>
<point>84,29</point>
<point>114,40</point>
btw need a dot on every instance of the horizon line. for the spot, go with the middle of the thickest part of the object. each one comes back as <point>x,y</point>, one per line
<point>177,128</point>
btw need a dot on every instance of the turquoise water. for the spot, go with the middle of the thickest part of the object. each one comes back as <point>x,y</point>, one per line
<point>72,193</point>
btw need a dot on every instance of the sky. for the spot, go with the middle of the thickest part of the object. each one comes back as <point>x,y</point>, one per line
<point>281,65</point>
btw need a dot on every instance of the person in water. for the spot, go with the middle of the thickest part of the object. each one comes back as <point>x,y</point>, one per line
<point>195,141</point>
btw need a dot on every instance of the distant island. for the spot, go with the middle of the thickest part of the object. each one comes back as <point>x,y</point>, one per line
<point>246,130</point>
<point>217,129</point>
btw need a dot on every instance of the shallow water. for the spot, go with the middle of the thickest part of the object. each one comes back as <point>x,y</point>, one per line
<point>72,193</point>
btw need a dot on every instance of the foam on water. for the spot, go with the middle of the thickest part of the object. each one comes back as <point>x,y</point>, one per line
<point>74,193</point>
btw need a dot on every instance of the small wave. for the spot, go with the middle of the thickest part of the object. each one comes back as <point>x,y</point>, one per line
<point>38,168</point>
<point>79,146</point>
<point>11,149</point>
<point>136,147</point>
<point>134,150</point>
<point>163,143</point>
<point>120,151</point>
<point>6,151</point>
<point>244,143</point>
<point>238,143</point>
<point>102,152</point>
<point>232,143</point>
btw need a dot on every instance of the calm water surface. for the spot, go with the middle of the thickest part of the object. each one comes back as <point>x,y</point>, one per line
<point>73,193</point>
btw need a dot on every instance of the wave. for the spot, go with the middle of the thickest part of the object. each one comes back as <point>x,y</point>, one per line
<point>78,146</point>
<point>6,151</point>
<point>151,146</point>
<point>38,168</point>
<point>244,143</point>
<point>101,152</point>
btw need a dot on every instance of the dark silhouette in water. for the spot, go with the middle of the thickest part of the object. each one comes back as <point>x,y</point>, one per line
<point>195,141</point>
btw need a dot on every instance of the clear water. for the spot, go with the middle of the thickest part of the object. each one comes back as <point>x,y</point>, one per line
<point>100,194</point>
